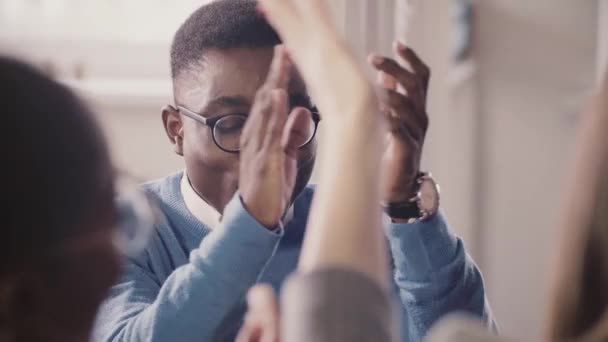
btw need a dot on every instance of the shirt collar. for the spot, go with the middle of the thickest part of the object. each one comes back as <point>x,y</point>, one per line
<point>199,208</point>
<point>204,212</point>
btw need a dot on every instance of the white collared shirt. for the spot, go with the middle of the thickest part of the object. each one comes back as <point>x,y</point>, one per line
<point>203,211</point>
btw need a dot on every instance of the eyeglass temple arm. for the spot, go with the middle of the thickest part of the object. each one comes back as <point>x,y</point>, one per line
<point>192,115</point>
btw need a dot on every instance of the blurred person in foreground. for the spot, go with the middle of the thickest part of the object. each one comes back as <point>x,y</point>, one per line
<point>341,289</point>
<point>58,255</point>
<point>580,297</point>
<point>579,300</point>
<point>237,215</point>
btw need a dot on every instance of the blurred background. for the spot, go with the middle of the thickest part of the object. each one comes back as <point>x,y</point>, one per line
<point>509,78</point>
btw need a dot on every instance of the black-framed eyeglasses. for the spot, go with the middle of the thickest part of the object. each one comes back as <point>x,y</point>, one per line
<point>226,129</point>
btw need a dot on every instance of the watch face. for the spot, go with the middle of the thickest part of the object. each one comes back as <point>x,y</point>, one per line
<point>429,196</point>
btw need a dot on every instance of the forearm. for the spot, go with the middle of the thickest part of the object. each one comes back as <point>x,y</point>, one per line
<point>434,275</point>
<point>346,218</point>
<point>199,299</point>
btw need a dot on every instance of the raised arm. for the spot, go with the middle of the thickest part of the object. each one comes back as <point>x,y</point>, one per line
<point>579,303</point>
<point>346,218</point>
<point>340,292</point>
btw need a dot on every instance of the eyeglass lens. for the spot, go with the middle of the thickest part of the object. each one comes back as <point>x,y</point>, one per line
<point>227,131</point>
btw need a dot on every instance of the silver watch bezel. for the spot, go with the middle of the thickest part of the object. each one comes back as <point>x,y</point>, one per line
<point>427,210</point>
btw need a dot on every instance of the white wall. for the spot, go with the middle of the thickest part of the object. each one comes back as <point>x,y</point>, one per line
<point>536,63</point>
<point>502,126</point>
<point>449,151</point>
<point>134,21</point>
<point>115,53</point>
<point>602,39</point>
<point>126,85</point>
<point>501,136</point>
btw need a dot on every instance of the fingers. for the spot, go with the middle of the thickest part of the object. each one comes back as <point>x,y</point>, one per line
<point>418,66</point>
<point>414,81</point>
<point>267,117</point>
<point>276,123</point>
<point>280,67</point>
<point>262,319</point>
<point>389,66</point>
<point>250,332</point>
<point>406,112</point>
<point>261,298</point>
<point>386,81</point>
<point>252,137</point>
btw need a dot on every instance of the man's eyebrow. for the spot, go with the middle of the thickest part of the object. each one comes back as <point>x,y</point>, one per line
<point>220,102</point>
<point>241,101</point>
<point>230,101</point>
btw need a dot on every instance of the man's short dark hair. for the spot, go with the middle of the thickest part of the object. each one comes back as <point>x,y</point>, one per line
<point>222,24</point>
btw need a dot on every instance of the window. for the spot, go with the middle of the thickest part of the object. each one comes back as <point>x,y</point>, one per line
<point>134,21</point>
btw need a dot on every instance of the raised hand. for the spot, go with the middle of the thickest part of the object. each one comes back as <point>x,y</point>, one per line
<point>403,93</point>
<point>268,157</point>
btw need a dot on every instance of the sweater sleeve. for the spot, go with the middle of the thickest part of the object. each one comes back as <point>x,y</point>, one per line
<point>335,304</point>
<point>198,300</point>
<point>434,275</point>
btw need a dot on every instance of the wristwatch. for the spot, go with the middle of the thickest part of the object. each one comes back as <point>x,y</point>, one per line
<point>422,206</point>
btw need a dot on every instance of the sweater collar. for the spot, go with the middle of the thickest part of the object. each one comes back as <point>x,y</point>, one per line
<point>203,211</point>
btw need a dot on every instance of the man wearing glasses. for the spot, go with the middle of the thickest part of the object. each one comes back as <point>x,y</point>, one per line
<point>227,128</point>
<point>237,215</point>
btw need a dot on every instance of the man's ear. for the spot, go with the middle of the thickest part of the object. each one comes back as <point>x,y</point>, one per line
<point>174,128</point>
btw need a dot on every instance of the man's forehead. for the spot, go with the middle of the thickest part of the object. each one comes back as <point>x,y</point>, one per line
<point>233,73</point>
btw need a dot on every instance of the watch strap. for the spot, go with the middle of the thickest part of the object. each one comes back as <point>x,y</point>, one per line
<point>403,210</point>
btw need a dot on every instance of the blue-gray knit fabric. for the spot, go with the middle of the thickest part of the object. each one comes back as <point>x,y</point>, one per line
<point>191,282</point>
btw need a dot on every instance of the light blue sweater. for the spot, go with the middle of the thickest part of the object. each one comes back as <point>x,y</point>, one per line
<point>191,282</point>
